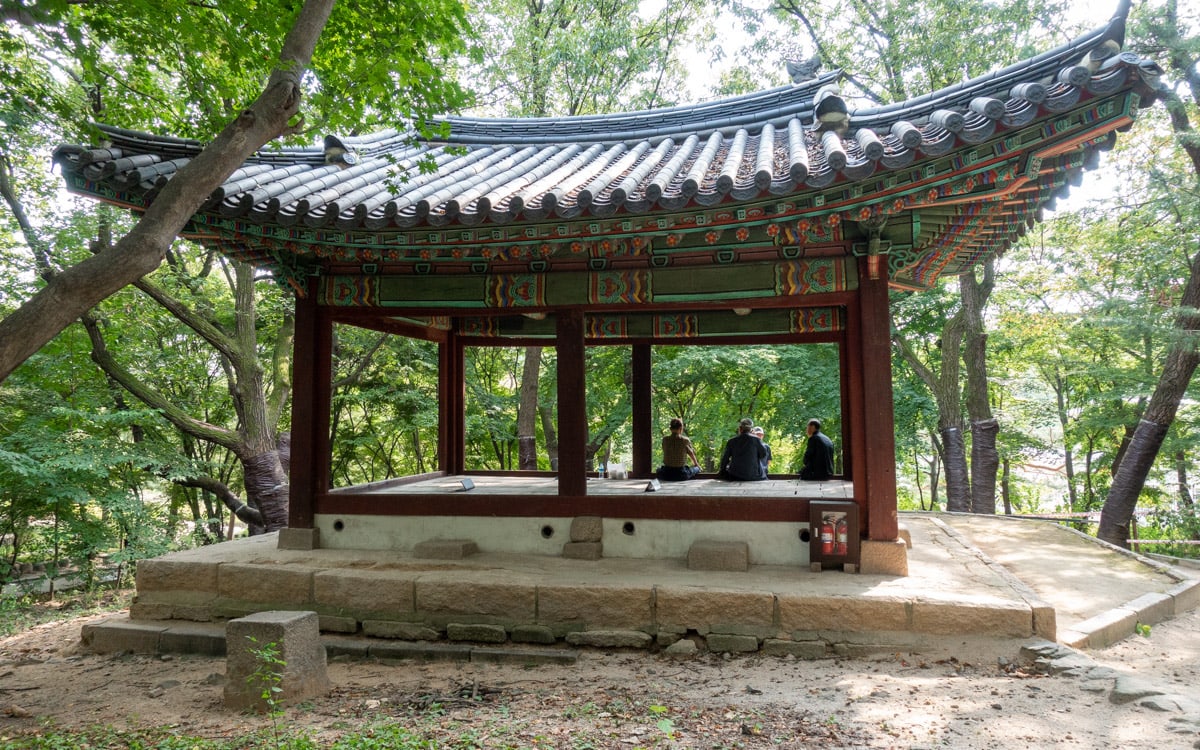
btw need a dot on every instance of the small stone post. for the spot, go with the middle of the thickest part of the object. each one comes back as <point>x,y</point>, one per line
<point>296,641</point>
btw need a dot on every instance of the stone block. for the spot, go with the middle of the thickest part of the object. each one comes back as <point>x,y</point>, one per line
<point>441,598</point>
<point>723,643</point>
<point>354,648</point>
<point>204,638</point>
<point>336,624</point>
<point>168,575</point>
<point>883,558</point>
<point>476,632</point>
<point>1106,628</point>
<point>364,592</point>
<point>266,584</point>
<point>798,649</point>
<point>523,656</point>
<point>583,550</point>
<point>610,639</point>
<point>445,549</point>
<point>297,669</point>
<point>119,634</point>
<point>532,634</point>
<point>1151,608</point>
<point>1002,619</point>
<point>143,611</point>
<point>707,610</point>
<point>709,554</point>
<point>420,651</point>
<point>1186,596</point>
<point>809,614</point>
<point>299,539</point>
<point>596,606</point>
<point>404,631</point>
<point>682,649</point>
<point>587,529</point>
<point>1045,621</point>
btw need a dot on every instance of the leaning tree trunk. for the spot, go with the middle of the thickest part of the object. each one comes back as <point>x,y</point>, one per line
<point>1182,359</point>
<point>75,290</point>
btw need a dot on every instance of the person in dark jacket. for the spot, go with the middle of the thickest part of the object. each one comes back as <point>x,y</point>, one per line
<point>742,459</point>
<point>818,454</point>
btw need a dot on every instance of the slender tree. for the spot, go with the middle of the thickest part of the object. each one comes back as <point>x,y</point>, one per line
<point>1166,33</point>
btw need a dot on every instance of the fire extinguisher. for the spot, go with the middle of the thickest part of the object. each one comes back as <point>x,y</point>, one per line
<point>842,530</point>
<point>827,537</point>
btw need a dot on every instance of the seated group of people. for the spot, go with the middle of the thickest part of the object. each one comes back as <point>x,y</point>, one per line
<point>746,456</point>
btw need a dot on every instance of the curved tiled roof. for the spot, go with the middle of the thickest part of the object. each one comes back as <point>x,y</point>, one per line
<point>792,142</point>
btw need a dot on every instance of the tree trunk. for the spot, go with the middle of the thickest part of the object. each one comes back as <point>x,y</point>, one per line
<point>958,485</point>
<point>1060,396</point>
<point>1005,487</point>
<point>75,290</point>
<point>1181,362</point>
<point>551,433</point>
<point>944,385</point>
<point>527,414</point>
<point>985,459</point>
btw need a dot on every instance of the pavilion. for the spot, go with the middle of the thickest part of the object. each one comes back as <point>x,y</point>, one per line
<point>778,217</point>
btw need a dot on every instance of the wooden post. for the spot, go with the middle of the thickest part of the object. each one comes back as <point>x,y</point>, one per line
<point>451,406</point>
<point>643,413</point>
<point>572,405</point>
<point>880,440</point>
<point>312,371</point>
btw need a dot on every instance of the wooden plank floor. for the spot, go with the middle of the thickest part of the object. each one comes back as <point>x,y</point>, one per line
<point>510,485</point>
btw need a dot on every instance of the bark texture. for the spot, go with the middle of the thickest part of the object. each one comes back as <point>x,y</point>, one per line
<point>1181,362</point>
<point>73,291</point>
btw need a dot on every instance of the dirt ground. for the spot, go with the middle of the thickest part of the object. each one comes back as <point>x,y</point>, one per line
<point>964,696</point>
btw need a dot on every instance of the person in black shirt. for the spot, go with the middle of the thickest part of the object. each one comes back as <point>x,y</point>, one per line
<point>818,454</point>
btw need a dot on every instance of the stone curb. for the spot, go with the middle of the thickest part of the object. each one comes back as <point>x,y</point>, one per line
<point>1118,623</point>
<point>120,634</point>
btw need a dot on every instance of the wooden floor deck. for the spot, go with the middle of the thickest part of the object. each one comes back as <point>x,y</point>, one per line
<point>547,486</point>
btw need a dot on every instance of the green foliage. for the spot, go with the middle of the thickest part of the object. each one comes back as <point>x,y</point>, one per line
<point>384,406</point>
<point>556,58</point>
<point>268,678</point>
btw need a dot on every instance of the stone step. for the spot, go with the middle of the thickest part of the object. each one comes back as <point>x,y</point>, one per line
<point>119,634</point>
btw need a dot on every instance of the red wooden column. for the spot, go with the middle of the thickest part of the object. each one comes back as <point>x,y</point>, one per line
<point>312,372</point>
<point>643,413</point>
<point>572,405</point>
<point>880,440</point>
<point>451,405</point>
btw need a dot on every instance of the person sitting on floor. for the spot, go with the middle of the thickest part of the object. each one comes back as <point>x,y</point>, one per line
<point>677,450</point>
<point>818,454</point>
<point>742,459</point>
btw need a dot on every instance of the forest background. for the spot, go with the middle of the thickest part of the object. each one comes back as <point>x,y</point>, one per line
<point>154,413</point>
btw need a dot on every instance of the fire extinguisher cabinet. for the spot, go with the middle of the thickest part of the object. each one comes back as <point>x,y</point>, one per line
<point>833,534</point>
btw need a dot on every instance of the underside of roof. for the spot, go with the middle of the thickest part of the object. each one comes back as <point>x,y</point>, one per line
<point>927,187</point>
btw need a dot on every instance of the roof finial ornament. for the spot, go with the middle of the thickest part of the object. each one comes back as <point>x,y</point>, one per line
<point>803,70</point>
<point>829,109</point>
<point>336,152</point>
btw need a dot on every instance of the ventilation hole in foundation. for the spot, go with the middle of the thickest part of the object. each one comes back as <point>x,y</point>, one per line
<point>805,536</point>
<point>338,525</point>
<point>547,532</point>
<point>628,528</point>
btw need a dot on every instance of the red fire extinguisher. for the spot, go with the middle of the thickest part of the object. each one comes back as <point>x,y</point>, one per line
<point>841,546</point>
<point>827,537</point>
